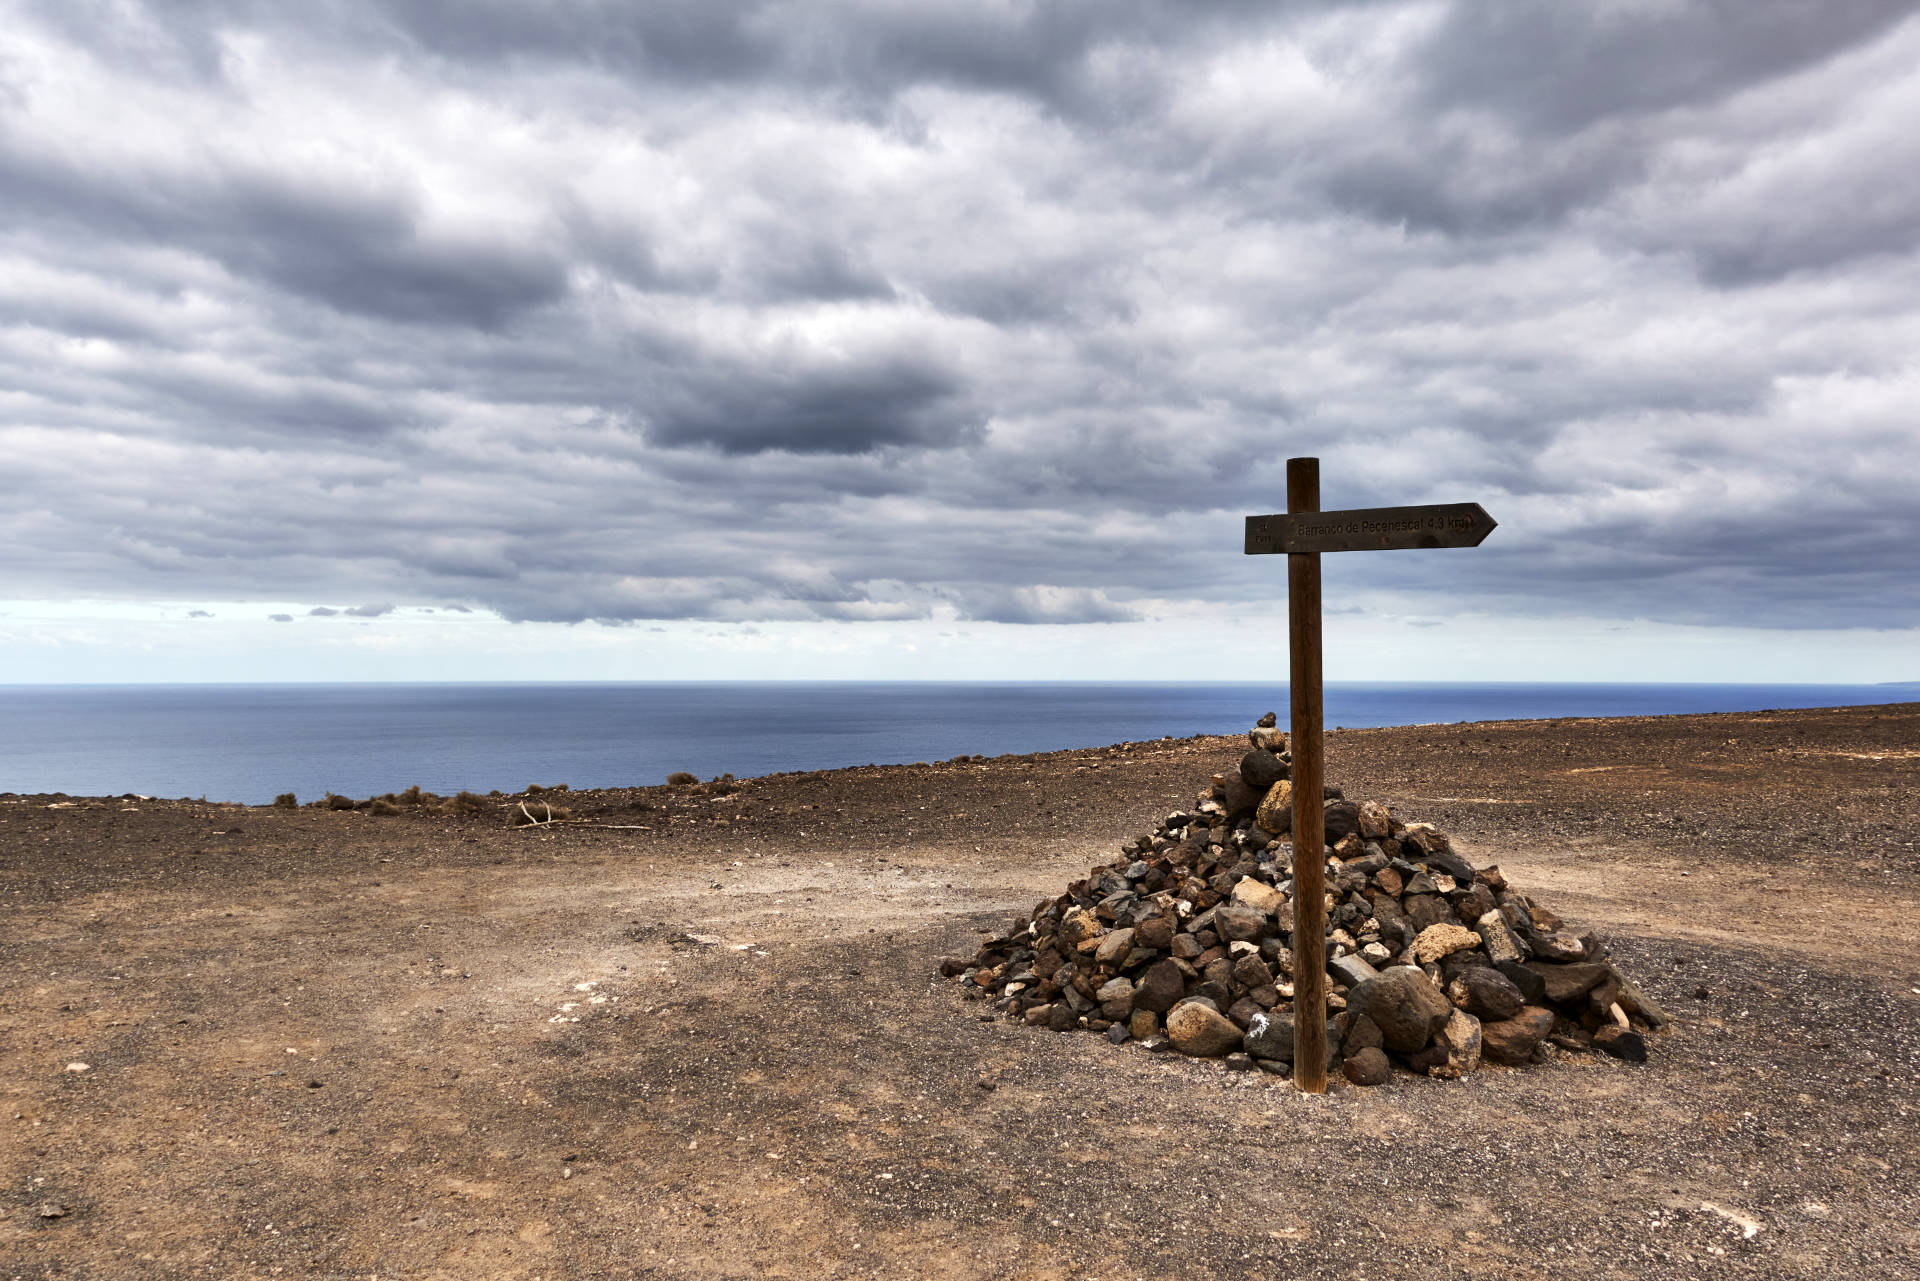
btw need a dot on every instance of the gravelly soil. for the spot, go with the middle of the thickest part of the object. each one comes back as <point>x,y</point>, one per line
<point>332,1045</point>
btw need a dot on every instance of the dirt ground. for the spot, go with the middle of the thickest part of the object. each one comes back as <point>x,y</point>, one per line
<point>249,1042</point>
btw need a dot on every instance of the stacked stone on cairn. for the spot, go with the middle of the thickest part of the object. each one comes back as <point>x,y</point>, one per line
<point>1182,944</point>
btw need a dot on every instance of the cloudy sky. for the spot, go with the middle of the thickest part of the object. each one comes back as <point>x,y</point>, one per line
<point>927,338</point>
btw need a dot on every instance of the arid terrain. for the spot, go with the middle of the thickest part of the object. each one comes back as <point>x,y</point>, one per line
<point>705,1038</point>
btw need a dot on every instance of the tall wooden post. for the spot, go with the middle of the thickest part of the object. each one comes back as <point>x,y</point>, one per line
<point>1309,775</point>
<point>1301,535</point>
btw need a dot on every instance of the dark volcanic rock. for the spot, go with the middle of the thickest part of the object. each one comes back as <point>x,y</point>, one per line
<point>1532,987</point>
<point>1569,982</point>
<point>1270,1036</point>
<point>1512,1041</point>
<point>1426,910</point>
<point>1261,770</point>
<point>1405,1004</point>
<point>1183,940</point>
<point>1622,1043</point>
<point>1488,995</point>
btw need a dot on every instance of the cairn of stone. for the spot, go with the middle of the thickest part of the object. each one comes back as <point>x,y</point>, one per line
<point>1182,944</point>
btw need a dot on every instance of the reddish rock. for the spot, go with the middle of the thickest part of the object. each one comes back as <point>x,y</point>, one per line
<point>1160,988</point>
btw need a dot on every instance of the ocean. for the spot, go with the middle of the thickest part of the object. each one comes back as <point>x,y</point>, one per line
<point>250,742</point>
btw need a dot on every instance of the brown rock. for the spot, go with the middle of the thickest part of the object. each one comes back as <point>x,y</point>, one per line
<point>1390,881</point>
<point>1079,925</point>
<point>1367,1066</point>
<point>1238,921</point>
<point>1425,837</point>
<point>1406,1005</point>
<point>1196,1030</point>
<point>1114,948</point>
<point>1143,1024</point>
<point>1462,1037</point>
<point>1259,896</point>
<point>1474,904</point>
<point>1569,982</point>
<point>1160,988</point>
<point>1155,932</point>
<point>1513,1041</point>
<point>1375,822</point>
<point>1267,739</point>
<point>1252,972</point>
<point>1363,1034</point>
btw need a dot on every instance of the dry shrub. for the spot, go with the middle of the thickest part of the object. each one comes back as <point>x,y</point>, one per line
<point>383,807</point>
<point>680,778</point>
<point>464,805</point>
<point>285,801</point>
<point>411,796</point>
<point>335,801</point>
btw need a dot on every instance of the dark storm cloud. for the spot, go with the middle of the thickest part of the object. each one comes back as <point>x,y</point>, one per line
<point>354,249</point>
<point>833,407</point>
<point>611,311</point>
<point>1559,69</point>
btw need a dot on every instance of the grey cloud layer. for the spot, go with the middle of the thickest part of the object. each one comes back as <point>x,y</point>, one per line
<point>868,310</point>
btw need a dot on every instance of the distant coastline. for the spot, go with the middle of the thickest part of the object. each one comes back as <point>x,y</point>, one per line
<point>250,743</point>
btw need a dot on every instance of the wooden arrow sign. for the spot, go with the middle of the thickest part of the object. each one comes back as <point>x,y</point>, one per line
<point>1370,529</point>
<point>1302,534</point>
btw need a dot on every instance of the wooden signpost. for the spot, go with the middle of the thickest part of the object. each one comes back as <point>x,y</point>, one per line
<point>1301,535</point>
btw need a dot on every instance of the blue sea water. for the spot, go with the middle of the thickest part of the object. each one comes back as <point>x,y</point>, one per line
<point>249,742</point>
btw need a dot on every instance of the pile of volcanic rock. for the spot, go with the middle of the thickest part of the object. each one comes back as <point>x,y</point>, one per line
<point>1182,944</point>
